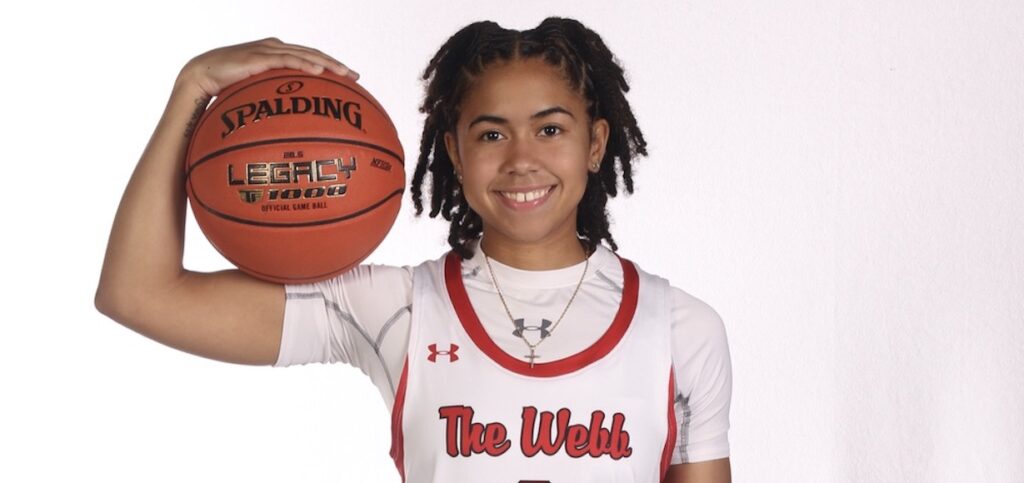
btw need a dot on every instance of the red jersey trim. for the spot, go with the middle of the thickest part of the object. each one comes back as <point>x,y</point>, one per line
<point>600,348</point>
<point>397,440</point>
<point>670,438</point>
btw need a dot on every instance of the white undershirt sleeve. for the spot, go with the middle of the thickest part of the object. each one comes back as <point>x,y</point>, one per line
<point>703,380</point>
<point>360,317</point>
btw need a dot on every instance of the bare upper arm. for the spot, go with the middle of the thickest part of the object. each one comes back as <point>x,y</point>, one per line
<point>227,316</point>
<point>714,471</point>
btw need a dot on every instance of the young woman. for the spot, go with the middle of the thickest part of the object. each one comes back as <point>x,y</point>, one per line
<point>530,351</point>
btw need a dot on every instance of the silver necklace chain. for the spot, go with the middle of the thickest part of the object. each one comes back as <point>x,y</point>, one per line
<point>533,347</point>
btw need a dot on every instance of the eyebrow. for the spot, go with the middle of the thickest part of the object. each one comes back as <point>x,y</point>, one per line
<point>500,120</point>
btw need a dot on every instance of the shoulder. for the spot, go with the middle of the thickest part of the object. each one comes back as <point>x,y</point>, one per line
<point>699,340</point>
<point>700,349</point>
<point>368,275</point>
<point>358,289</point>
<point>375,276</point>
<point>697,328</point>
<point>679,298</point>
<point>688,311</point>
<point>694,315</point>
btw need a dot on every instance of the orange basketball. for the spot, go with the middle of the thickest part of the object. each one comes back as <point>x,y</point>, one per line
<point>295,177</point>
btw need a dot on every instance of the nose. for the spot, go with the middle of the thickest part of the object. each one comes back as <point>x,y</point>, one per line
<point>521,157</point>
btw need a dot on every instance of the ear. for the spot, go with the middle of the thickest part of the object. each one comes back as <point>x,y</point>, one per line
<point>598,143</point>
<point>451,144</point>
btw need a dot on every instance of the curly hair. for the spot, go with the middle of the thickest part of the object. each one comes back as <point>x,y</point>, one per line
<point>590,68</point>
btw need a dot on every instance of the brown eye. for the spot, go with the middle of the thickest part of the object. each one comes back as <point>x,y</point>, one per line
<point>551,130</point>
<point>491,136</point>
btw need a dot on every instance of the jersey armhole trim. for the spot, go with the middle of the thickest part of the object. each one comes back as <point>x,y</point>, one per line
<point>670,438</point>
<point>397,442</point>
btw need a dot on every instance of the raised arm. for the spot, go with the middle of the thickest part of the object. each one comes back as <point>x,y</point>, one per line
<point>227,315</point>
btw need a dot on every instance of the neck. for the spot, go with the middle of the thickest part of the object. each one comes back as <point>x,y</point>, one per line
<point>543,255</point>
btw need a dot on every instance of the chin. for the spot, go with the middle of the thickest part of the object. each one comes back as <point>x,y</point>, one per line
<point>527,233</point>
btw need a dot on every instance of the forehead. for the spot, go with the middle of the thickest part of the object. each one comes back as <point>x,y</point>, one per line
<point>520,88</point>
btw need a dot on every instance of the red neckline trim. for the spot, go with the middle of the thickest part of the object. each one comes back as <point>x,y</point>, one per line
<point>471,323</point>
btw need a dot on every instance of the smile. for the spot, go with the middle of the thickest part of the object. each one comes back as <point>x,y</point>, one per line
<point>525,196</point>
<point>525,199</point>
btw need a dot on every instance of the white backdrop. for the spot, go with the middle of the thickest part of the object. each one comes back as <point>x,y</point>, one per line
<point>843,181</point>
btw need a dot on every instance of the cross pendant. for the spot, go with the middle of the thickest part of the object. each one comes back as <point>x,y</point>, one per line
<point>531,357</point>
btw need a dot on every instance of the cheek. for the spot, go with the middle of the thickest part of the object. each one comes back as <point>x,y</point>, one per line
<point>575,163</point>
<point>579,185</point>
<point>476,179</point>
<point>475,182</point>
<point>478,159</point>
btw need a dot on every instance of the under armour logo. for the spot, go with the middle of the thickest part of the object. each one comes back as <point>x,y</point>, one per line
<point>452,349</point>
<point>520,327</point>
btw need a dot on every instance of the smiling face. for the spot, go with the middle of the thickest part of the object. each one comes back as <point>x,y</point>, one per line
<point>523,145</point>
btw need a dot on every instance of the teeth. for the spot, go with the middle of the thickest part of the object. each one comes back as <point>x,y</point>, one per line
<point>524,197</point>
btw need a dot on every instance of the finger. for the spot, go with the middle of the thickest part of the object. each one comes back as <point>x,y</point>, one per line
<point>350,72</point>
<point>278,61</point>
<point>315,51</point>
<point>270,41</point>
<point>314,57</point>
<point>334,64</point>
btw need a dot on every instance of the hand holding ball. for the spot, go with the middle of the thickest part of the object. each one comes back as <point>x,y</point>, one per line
<point>295,177</point>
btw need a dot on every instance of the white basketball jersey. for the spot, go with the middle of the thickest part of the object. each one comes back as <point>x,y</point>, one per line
<point>466,411</point>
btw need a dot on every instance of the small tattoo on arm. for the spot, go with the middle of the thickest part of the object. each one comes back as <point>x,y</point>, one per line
<point>201,103</point>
